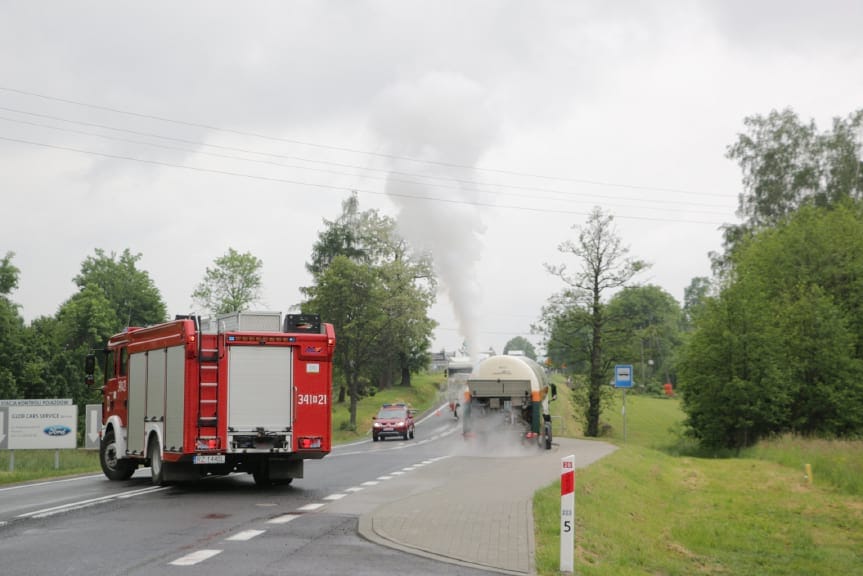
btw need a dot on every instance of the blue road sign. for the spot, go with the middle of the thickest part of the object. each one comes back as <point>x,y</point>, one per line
<point>623,376</point>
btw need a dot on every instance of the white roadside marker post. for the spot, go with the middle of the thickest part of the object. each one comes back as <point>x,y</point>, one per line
<point>567,513</point>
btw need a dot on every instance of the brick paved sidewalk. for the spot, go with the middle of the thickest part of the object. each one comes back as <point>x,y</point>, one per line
<point>482,514</point>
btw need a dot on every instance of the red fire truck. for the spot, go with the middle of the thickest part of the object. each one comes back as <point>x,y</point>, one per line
<point>242,392</point>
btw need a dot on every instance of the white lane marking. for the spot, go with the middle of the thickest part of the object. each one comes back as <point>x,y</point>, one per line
<point>370,483</point>
<point>396,473</point>
<point>45,512</point>
<point>48,482</point>
<point>311,507</point>
<point>335,496</point>
<point>245,535</point>
<point>385,477</point>
<point>409,469</point>
<point>195,557</point>
<point>283,519</point>
<point>353,489</point>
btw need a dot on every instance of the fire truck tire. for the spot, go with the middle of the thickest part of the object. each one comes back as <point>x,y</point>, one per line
<point>114,468</point>
<point>263,479</point>
<point>262,476</point>
<point>157,466</point>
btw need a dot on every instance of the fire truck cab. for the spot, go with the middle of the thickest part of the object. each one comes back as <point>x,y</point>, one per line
<point>243,392</point>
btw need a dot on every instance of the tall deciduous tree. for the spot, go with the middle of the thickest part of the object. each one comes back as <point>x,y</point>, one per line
<point>8,275</point>
<point>644,326</point>
<point>376,294</point>
<point>350,296</point>
<point>781,347</point>
<point>787,163</point>
<point>694,297</point>
<point>12,346</point>
<point>113,293</point>
<point>521,344</point>
<point>131,294</point>
<point>232,285</point>
<point>602,265</point>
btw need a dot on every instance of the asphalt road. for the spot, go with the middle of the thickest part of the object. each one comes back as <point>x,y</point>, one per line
<point>223,526</point>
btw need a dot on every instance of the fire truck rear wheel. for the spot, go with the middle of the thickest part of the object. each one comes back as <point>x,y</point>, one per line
<point>157,466</point>
<point>115,468</point>
<point>262,476</point>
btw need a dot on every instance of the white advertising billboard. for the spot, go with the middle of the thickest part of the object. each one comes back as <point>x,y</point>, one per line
<point>39,427</point>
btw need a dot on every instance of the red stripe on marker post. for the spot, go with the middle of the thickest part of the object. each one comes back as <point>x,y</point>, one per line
<point>567,483</point>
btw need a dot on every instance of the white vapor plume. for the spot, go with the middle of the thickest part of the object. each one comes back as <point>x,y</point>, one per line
<point>444,120</point>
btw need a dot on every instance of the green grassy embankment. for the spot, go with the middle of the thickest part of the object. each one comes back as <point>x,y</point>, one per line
<point>37,464</point>
<point>651,509</point>
<point>423,393</point>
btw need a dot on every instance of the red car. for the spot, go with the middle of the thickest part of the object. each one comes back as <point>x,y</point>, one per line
<point>393,420</point>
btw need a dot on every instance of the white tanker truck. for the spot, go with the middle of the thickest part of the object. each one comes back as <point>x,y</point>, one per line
<point>509,394</point>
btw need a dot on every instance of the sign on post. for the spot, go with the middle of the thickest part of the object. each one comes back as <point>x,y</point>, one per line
<point>92,426</point>
<point>567,513</point>
<point>4,431</point>
<point>623,379</point>
<point>623,376</point>
<point>46,424</point>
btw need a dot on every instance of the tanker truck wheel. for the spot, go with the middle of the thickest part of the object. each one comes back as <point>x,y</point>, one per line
<point>114,467</point>
<point>547,435</point>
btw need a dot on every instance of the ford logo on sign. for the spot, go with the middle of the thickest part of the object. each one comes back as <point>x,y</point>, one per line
<point>57,430</point>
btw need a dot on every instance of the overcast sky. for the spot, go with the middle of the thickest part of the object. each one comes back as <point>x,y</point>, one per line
<point>488,129</point>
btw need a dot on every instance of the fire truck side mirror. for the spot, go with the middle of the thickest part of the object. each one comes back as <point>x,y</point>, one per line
<point>89,369</point>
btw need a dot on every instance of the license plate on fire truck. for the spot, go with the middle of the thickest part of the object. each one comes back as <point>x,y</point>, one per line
<point>208,459</point>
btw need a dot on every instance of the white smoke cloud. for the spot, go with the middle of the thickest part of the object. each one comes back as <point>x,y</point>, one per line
<point>446,121</point>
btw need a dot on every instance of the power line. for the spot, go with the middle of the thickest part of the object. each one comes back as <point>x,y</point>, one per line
<point>341,188</point>
<point>385,178</point>
<point>303,159</point>
<point>348,149</point>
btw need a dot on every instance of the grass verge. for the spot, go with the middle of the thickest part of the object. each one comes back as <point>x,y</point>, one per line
<point>422,394</point>
<point>37,464</point>
<point>648,510</point>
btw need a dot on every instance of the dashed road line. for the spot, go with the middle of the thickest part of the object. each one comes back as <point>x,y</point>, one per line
<point>244,535</point>
<point>195,557</point>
